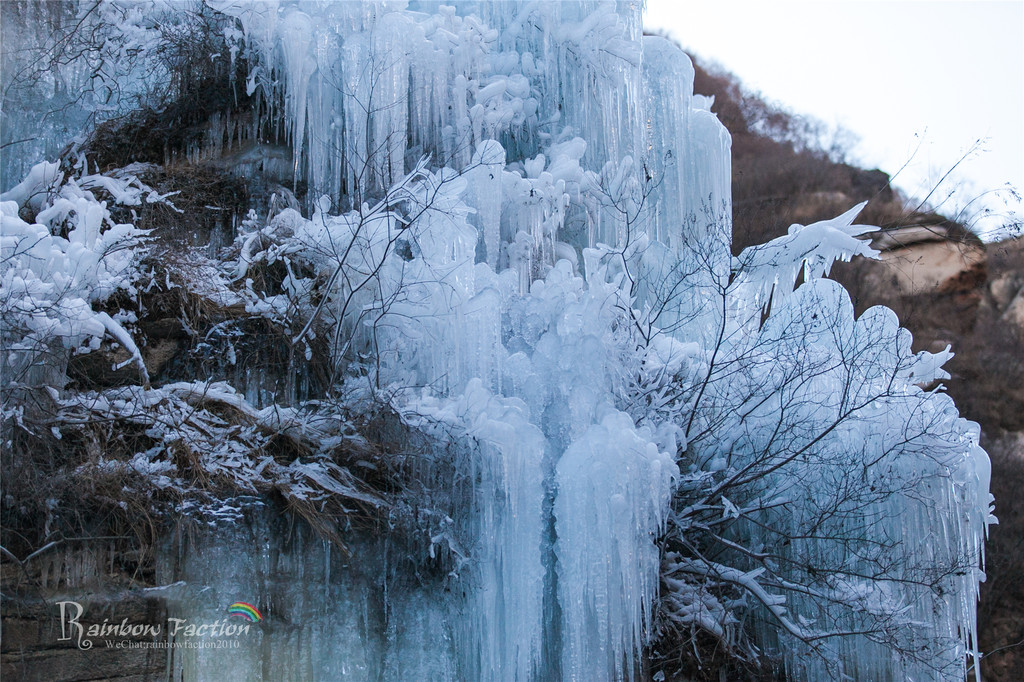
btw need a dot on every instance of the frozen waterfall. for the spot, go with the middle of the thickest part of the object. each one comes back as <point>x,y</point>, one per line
<point>516,236</point>
<point>539,109</point>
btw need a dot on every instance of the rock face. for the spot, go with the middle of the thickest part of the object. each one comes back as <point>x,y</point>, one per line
<point>927,259</point>
<point>999,340</point>
<point>33,647</point>
<point>1006,293</point>
<point>1014,313</point>
<point>932,275</point>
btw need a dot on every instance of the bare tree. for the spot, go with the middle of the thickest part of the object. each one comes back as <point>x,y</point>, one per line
<point>817,524</point>
<point>813,458</point>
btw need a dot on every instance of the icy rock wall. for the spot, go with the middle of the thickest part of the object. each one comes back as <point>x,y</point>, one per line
<point>21,25</point>
<point>518,214</point>
<point>517,233</point>
<point>380,609</point>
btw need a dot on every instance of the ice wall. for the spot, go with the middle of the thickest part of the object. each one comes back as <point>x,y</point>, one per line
<point>21,27</point>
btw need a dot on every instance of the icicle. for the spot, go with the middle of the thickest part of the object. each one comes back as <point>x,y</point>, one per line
<point>296,37</point>
<point>490,163</point>
<point>613,489</point>
<point>668,81</point>
<point>708,179</point>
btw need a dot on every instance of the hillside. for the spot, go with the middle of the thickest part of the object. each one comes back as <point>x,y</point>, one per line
<point>947,287</point>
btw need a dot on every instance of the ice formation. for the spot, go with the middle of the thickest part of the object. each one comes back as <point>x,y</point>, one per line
<point>518,226</point>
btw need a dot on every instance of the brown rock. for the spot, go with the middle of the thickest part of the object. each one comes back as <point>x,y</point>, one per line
<point>158,353</point>
<point>32,649</point>
<point>73,665</point>
<point>1014,313</point>
<point>164,328</point>
<point>928,266</point>
<point>95,370</point>
<point>1003,289</point>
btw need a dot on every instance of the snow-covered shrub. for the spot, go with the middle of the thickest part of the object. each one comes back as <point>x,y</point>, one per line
<point>59,273</point>
<point>57,268</point>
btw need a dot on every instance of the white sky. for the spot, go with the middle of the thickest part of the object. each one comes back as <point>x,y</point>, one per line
<point>927,75</point>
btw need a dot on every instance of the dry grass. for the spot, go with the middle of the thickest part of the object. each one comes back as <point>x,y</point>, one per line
<point>83,486</point>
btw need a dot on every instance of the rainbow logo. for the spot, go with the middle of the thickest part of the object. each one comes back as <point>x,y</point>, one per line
<point>247,611</point>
